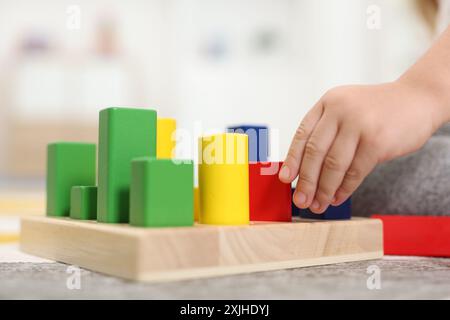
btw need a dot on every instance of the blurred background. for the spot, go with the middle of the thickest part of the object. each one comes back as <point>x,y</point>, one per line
<point>208,63</point>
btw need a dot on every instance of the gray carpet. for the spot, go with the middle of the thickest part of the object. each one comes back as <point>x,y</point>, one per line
<point>418,184</point>
<point>401,278</point>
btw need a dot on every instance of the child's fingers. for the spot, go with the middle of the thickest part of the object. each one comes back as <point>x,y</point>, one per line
<point>362,165</point>
<point>315,151</point>
<point>291,164</point>
<point>335,165</point>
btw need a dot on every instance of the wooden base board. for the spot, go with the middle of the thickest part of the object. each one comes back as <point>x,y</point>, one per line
<point>147,254</point>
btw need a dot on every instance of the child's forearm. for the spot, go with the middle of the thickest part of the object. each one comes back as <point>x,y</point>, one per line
<point>353,128</point>
<point>431,76</point>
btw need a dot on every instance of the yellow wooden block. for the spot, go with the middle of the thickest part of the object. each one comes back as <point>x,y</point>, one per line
<point>6,238</point>
<point>196,204</point>
<point>165,141</point>
<point>223,179</point>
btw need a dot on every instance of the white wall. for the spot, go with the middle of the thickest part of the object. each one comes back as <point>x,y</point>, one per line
<point>323,44</point>
<point>319,44</point>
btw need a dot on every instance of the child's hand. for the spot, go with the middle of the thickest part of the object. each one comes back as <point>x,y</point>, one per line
<point>348,132</point>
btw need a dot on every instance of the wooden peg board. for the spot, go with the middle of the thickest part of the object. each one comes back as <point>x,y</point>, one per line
<point>161,254</point>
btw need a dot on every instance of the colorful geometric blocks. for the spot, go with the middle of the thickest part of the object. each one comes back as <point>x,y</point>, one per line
<point>161,193</point>
<point>165,143</point>
<point>224,179</point>
<point>124,134</point>
<point>342,212</point>
<point>427,236</point>
<point>270,199</point>
<point>83,203</point>
<point>68,164</point>
<point>140,183</point>
<point>258,141</point>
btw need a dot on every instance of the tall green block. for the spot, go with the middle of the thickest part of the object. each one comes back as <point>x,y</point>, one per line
<point>68,164</point>
<point>124,134</point>
<point>83,203</point>
<point>161,193</point>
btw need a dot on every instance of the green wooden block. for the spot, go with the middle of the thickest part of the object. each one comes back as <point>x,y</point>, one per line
<point>161,193</point>
<point>83,203</point>
<point>124,134</point>
<point>68,164</point>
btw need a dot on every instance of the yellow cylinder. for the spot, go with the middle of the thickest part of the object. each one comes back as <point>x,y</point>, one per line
<point>165,141</point>
<point>223,179</point>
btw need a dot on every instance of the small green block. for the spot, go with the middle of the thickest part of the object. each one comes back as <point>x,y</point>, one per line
<point>83,203</point>
<point>68,164</point>
<point>124,134</point>
<point>161,193</point>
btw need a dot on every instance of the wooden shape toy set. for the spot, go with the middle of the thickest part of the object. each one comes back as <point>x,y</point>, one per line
<point>145,220</point>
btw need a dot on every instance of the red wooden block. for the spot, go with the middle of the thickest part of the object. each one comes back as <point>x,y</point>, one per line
<point>416,235</point>
<point>270,199</point>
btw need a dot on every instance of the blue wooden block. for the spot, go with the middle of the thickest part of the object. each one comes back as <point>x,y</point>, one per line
<point>342,212</point>
<point>258,141</point>
<point>295,210</point>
